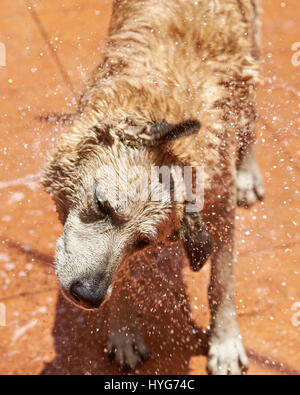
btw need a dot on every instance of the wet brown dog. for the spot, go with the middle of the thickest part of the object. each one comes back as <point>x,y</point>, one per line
<point>169,65</point>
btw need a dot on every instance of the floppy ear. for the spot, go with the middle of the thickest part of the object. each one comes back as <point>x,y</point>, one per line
<point>196,240</point>
<point>155,134</point>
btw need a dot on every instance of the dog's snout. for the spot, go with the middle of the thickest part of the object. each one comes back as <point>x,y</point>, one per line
<point>86,294</point>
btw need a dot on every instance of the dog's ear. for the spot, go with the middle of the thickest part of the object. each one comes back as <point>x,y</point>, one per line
<point>196,240</point>
<point>155,134</point>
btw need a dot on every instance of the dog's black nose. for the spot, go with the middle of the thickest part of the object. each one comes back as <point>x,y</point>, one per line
<point>87,294</point>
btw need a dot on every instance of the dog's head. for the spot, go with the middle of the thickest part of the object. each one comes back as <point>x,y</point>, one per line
<point>110,202</point>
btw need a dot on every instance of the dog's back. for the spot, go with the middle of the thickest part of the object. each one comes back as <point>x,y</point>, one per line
<point>174,60</point>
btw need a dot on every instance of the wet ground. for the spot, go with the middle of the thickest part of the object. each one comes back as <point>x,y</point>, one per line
<point>51,47</point>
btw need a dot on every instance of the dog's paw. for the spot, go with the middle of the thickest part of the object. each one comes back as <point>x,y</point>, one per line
<point>249,187</point>
<point>227,357</point>
<point>127,348</point>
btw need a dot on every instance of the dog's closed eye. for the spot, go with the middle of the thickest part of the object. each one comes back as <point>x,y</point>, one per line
<point>142,244</point>
<point>105,210</point>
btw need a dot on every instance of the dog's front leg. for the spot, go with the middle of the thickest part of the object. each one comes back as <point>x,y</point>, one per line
<point>226,351</point>
<point>125,344</point>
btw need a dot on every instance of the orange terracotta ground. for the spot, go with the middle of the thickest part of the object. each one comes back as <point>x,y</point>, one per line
<point>52,46</point>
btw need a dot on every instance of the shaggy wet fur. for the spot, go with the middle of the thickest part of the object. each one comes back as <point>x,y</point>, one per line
<point>165,61</point>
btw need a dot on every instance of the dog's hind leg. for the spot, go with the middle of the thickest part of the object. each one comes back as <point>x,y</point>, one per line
<point>249,180</point>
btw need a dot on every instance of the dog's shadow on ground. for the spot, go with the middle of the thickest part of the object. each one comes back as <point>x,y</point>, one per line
<point>155,289</point>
